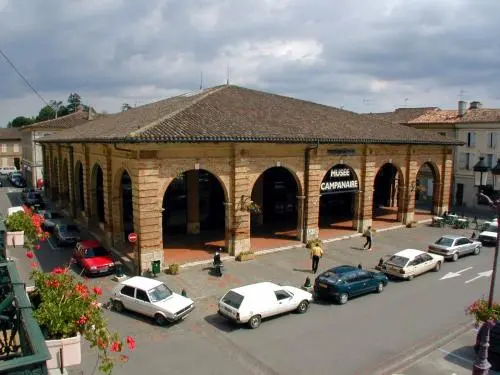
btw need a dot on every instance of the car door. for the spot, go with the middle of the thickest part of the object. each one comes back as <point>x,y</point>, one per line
<point>369,283</point>
<point>143,303</point>
<point>354,284</point>
<point>427,262</point>
<point>413,267</point>
<point>284,301</point>
<point>466,246</point>
<point>127,297</point>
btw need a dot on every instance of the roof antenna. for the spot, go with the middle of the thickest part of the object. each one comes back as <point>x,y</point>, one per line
<point>201,80</point>
<point>227,79</point>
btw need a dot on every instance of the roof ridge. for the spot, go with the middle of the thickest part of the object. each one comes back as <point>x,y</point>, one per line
<point>79,112</point>
<point>209,92</point>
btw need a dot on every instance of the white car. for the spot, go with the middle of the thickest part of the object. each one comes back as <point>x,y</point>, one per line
<point>409,263</point>
<point>151,298</point>
<point>489,235</point>
<point>4,171</point>
<point>252,303</point>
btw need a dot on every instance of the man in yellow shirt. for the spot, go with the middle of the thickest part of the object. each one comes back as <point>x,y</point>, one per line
<point>316,253</point>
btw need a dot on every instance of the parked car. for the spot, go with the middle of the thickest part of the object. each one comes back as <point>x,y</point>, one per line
<point>451,247</point>
<point>49,222</point>
<point>252,303</point>
<point>344,282</point>
<point>18,181</point>
<point>34,200</point>
<point>66,234</point>
<point>407,264</point>
<point>4,171</point>
<point>13,174</point>
<point>93,258</point>
<point>152,298</point>
<point>489,234</point>
<point>494,348</point>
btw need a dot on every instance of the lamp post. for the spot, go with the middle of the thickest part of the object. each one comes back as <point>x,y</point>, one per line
<point>481,365</point>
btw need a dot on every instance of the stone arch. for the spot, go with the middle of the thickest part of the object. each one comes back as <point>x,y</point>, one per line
<point>79,186</point>
<point>388,191</point>
<point>97,193</point>
<point>65,180</point>
<point>122,224</point>
<point>255,176</point>
<point>424,199</point>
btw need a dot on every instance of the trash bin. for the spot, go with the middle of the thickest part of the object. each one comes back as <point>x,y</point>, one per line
<point>155,267</point>
<point>119,270</point>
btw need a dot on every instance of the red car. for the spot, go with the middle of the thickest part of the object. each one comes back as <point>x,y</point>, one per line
<point>93,258</point>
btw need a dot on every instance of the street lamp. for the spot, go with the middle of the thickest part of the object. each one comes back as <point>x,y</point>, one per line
<point>481,365</point>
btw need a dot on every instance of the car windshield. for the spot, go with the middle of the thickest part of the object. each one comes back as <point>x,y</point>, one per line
<point>233,299</point>
<point>331,275</point>
<point>159,293</point>
<point>398,260</point>
<point>96,252</point>
<point>445,241</point>
<point>492,228</point>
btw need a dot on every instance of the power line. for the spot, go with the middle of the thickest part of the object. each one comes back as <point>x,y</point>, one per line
<point>22,77</point>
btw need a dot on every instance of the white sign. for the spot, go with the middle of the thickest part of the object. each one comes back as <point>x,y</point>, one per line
<point>340,173</point>
<point>339,185</point>
<point>340,178</point>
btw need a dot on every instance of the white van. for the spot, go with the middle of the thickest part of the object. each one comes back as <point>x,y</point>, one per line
<point>4,171</point>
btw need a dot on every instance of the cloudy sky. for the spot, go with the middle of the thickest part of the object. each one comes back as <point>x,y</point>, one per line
<point>364,55</point>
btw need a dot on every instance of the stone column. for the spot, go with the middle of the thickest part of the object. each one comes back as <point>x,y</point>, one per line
<point>147,214</point>
<point>436,194</point>
<point>193,202</point>
<point>240,231</point>
<point>311,202</point>
<point>228,214</point>
<point>258,198</point>
<point>358,199</point>
<point>300,217</point>
<point>446,178</point>
<point>402,194</point>
<point>368,179</point>
<point>87,184</point>
<point>407,210</point>
<point>71,183</point>
<point>107,187</point>
<point>47,177</point>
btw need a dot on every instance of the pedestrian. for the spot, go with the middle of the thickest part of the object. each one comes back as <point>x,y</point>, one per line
<point>368,234</point>
<point>316,253</point>
<point>360,266</point>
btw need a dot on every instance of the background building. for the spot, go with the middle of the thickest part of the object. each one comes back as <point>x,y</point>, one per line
<point>10,148</point>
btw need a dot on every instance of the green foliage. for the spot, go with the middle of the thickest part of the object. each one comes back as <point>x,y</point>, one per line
<point>314,242</point>
<point>20,121</point>
<point>173,269</point>
<point>481,312</point>
<point>74,101</point>
<point>20,221</point>
<point>243,255</point>
<point>46,113</point>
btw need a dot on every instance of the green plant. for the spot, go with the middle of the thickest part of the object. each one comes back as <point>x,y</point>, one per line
<point>481,312</point>
<point>64,306</point>
<point>28,222</point>
<point>173,269</point>
<point>314,242</point>
<point>243,254</point>
<point>411,224</point>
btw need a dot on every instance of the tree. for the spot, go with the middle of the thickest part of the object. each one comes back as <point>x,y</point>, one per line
<point>46,113</point>
<point>126,107</point>
<point>74,102</point>
<point>62,110</point>
<point>20,121</point>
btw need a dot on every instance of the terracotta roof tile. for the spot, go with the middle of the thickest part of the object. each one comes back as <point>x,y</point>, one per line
<point>10,133</point>
<point>401,115</point>
<point>480,115</point>
<point>232,113</point>
<point>64,122</point>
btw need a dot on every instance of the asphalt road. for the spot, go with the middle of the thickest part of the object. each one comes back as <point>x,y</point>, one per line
<point>359,338</point>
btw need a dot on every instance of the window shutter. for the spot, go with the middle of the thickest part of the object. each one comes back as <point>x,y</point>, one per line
<point>462,161</point>
<point>493,140</point>
<point>473,139</point>
<point>472,160</point>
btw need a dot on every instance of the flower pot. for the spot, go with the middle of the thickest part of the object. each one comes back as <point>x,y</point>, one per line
<point>245,257</point>
<point>71,352</point>
<point>14,238</point>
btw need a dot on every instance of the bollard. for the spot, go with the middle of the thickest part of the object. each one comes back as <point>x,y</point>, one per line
<point>307,283</point>
<point>183,293</point>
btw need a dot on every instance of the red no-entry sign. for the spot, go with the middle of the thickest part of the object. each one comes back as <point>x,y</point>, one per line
<point>132,237</point>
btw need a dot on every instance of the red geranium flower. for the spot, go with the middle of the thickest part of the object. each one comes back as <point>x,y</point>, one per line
<point>83,319</point>
<point>37,247</point>
<point>130,342</point>
<point>58,270</point>
<point>82,290</point>
<point>33,265</point>
<point>97,290</point>
<point>30,254</point>
<point>116,346</point>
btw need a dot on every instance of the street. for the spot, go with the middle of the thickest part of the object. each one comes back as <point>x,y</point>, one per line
<point>363,337</point>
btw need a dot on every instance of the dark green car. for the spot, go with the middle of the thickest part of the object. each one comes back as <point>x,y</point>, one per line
<point>344,282</point>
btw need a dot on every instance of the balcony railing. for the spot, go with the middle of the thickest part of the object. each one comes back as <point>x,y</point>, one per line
<point>22,345</point>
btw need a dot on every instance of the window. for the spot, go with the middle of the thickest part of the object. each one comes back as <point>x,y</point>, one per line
<point>5,162</point>
<point>490,160</point>
<point>16,147</point>
<point>426,257</point>
<point>141,295</point>
<point>127,291</point>
<point>363,276</point>
<point>281,295</point>
<point>492,140</point>
<point>464,160</point>
<point>471,139</point>
<point>233,299</point>
<point>4,147</point>
<point>159,293</point>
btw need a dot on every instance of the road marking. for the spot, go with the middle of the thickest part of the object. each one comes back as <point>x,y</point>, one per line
<point>479,275</point>
<point>456,356</point>
<point>450,275</point>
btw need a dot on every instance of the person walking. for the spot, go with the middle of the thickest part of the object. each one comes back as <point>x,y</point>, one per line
<point>316,253</point>
<point>368,234</point>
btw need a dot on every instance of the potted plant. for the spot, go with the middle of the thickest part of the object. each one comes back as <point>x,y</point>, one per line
<point>173,269</point>
<point>24,228</point>
<point>244,256</point>
<point>314,242</point>
<point>482,313</point>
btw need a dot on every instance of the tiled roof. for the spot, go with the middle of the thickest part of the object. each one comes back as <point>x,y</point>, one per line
<point>401,115</point>
<point>236,114</point>
<point>10,133</point>
<point>480,115</point>
<point>77,118</point>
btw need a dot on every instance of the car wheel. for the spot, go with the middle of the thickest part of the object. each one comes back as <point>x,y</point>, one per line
<point>380,288</point>
<point>477,250</point>
<point>438,266</point>
<point>303,306</point>
<point>160,319</point>
<point>254,321</point>
<point>454,257</point>
<point>410,278</point>
<point>118,306</point>
<point>343,298</point>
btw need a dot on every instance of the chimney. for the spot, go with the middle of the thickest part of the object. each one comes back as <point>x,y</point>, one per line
<point>462,108</point>
<point>475,105</point>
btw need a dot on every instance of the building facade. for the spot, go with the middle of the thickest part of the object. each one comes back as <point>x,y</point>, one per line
<point>237,161</point>
<point>10,147</point>
<point>32,158</point>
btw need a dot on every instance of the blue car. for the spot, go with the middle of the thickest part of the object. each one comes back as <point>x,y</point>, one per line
<point>344,282</point>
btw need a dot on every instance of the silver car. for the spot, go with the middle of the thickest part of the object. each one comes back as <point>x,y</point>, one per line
<point>453,246</point>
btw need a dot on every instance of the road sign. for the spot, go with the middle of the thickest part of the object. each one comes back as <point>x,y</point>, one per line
<point>132,237</point>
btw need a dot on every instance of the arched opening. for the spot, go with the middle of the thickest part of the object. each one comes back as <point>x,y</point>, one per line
<point>65,181</point>
<point>426,190</point>
<point>98,194</point>
<point>79,188</point>
<point>275,193</point>
<point>127,208</point>
<point>337,204</point>
<point>193,219</point>
<point>387,195</point>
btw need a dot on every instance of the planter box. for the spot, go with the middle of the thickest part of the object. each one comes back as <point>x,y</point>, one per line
<point>14,238</point>
<point>71,352</point>
<point>245,257</point>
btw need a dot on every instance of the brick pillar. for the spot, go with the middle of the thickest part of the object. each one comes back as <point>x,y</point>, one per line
<point>87,184</point>
<point>71,183</point>
<point>365,216</point>
<point>193,202</point>
<point>358,199</point>
<point>107,182</point>
<point>407,210</point>
<point>446,176</point>
<point>402,197</point>
<point>300,217</point>
<point>59,176</point>
<point>311,202</point>
<point>47,177</point>
<point>147,214</point>
<point>258,198</point>
<point>240,231</point>
<point>228,215</point>
<point>436,194</point>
